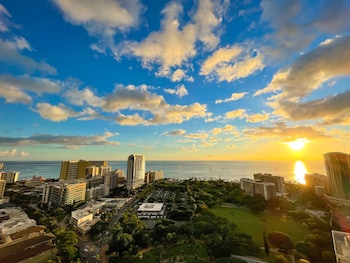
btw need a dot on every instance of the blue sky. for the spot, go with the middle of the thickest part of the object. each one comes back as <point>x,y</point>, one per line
<point>174,80</point>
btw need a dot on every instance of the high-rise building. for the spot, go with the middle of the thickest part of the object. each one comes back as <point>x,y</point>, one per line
<point>114,179</point>
<point>2,188</point>
<point>338,171</point>
<point>136,171</point>
<point>71,170</point>
<point>9,177</point>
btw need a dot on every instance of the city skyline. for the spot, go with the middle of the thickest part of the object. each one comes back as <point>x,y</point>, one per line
<point>176,80</point>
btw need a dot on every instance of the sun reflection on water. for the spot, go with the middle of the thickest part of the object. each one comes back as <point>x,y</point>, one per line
<point>299,172</point>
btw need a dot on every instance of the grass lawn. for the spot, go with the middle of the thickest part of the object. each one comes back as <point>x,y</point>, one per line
<point>255,224</point>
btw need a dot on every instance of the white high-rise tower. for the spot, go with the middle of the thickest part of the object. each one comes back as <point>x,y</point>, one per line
<point>135,176</point>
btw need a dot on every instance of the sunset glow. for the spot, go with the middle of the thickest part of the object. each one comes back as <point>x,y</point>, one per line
<point>173,80</point>
<point>299,172</point>
<point>298,144</point>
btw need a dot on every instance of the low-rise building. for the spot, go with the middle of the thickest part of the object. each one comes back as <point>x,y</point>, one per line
<point>152,176</point>
<point>151,210</point>
<point>61,193</point>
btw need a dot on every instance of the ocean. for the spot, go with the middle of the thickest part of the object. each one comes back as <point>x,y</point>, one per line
<point>226,170</point>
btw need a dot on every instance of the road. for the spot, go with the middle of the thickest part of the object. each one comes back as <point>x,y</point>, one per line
<point>89,249</point>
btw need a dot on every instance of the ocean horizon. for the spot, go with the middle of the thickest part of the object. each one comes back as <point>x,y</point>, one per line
<point>226,170</point>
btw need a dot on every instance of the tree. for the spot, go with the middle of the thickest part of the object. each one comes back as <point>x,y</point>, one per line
<point>131,224</point>
<point>256,203</point>
<point>281,240</point>
<point>311,251</point>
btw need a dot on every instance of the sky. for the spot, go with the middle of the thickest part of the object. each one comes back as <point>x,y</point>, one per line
<point>174,80</point>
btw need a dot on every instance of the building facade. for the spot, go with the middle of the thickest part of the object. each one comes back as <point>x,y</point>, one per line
<point>135,176</point>
<point>152,176</point>
<point>268,178</point>
<point>2,188</point>
<point>252,187</point>
<point>61,194</point>
<point>338,171</point>
<point>9,177</point>
<point>71,170</point>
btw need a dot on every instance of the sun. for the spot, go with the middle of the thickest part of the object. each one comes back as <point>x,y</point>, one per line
<point>298,144</point>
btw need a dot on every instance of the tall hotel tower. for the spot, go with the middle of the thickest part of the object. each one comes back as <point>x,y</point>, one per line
<point>338,171</point>
<point>135,176</point>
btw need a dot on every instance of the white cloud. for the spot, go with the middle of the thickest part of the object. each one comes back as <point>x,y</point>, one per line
<point>307,74</point>
<point>179,91</point>
<point>258,117</point>
<point>102,17</point>
<point>239,113</point>
<point>54,113</point>
<point>19,89</point>
<point>232,63</point>
<point>234,96</point>
<point>79,97</point>
<point>174,44</point>
<point>13,94</point>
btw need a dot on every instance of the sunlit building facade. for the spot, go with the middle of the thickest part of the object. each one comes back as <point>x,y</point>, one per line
<point>338,171</point>
<point>135,176</point>
<point>152,176</point>
<point>9,177</point>
<point>2,188</point>
<point>71,170</point>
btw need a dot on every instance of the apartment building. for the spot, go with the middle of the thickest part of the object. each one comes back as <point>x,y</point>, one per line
<point>135,171</point>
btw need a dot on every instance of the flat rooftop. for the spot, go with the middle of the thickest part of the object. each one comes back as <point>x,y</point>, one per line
<point>150,207</point>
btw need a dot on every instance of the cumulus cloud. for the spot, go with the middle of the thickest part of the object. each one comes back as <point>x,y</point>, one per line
<point>80,97</point>
<point>232,63</point>
<point>179,75</point>
<point>132,97</point>
<point>55,113</point>
<point>312,69</point>
<point>179,91</point>
<point>239,113</point>
<point>102,17</point>
<point>174,44</point>
<point>234,96</point>
<point>258,117</point>
<point>307,74</point>
<point>13,152</point>
<point>227,129</point>
<point>59,141</point>
<point>13,94</point>
<point>33,84</point>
